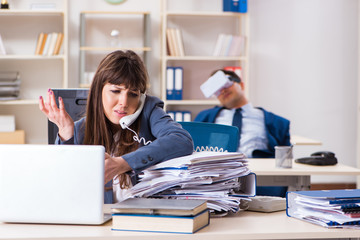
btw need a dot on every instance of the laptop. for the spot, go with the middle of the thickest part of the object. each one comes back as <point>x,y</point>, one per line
<point>57,184</point>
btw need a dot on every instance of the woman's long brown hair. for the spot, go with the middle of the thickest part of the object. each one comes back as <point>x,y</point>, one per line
<point>119,67</point>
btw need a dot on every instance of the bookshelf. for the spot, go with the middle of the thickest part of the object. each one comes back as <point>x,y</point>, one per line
<point>200,30</point>
<point>102,24</point>
<point>20,36</point>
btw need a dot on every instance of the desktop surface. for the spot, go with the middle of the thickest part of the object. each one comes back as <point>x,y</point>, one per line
<point>243,225</point>
<point>266,166</point>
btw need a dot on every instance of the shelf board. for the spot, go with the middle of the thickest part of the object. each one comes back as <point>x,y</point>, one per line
<point>9,12</point>
<point>192,102</point>
<point>84,85</point>
<point>112,12</point>
<point>206,58</point>
<point>30,57</point>
<point>20,102</point>
<point>203,13</point>
<point>88,48</point>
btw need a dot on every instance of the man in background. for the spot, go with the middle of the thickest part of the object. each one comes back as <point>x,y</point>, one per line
<point>260,130</point>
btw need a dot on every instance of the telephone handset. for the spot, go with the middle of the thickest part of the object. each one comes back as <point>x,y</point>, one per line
<point>126,121</point>
<point>130,119</point>
<point>322,158</point>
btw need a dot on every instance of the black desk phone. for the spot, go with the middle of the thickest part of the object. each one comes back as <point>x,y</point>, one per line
<point>323,158</point>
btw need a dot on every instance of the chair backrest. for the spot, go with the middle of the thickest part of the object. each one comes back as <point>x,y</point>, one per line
<point>75,105</point>
<point>213,136</point>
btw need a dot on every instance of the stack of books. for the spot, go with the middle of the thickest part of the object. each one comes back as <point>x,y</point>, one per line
<point>327,208</point>
<point>229,45</point>
<point>9,85</point>
<point>160,215</point>
<point>175,44</point>
<point>220,178</point>
<point>49,44</point>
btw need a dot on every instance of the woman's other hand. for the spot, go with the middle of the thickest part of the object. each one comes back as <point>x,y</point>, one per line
<point>57,115</point>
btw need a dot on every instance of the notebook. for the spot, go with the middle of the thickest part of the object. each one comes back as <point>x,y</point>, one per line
<point>60,184</point>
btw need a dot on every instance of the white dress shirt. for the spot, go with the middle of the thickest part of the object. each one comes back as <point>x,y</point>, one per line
<point>253,134</point>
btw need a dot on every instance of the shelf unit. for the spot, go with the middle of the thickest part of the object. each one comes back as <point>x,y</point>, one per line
<point>200,30</point>
<point>95,40</point>
<point>19,35</point>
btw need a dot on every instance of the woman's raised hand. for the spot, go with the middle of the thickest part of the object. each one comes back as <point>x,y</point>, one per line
<point>57,115</point>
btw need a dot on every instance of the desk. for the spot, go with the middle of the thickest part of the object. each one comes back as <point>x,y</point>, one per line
<point>297,177</point>
<point>299,140</point>
<point>243,225</point>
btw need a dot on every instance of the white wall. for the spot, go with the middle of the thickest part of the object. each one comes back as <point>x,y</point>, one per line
<point>303,65</point>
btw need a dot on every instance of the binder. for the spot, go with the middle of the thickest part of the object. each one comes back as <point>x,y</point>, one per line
<point>171,114</point>
<point>330,208</point>
<point>235,6</point>
<point>178,116</point>
<point>178,85</point>
<point>186,116</point>
<point>170,83</point>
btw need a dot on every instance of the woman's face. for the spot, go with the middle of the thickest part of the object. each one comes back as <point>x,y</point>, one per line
<point>119,101</point>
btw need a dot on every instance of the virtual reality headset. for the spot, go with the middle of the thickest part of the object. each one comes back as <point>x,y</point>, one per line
<point>216,83</point>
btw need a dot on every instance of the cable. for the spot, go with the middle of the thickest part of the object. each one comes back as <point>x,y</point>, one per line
<point>207,148</point>
<point>136,137</point>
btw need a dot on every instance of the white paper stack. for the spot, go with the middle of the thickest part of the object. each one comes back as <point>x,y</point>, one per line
<point>221,178</point>
<point>9,85</point>
<point>7,123</point>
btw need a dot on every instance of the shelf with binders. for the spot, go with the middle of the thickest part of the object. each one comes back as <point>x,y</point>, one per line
<point>195,73</point>
<point>198,35</point>
<point>102,32</point>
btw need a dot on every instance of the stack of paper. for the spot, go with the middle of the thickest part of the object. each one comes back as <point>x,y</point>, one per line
<point>221,178</point>
<point>331,208</point>
<point>9,85</point>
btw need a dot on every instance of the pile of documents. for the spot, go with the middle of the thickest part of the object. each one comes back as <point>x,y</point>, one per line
<point>221,178</point>
<point>9,85</point>
<point>328,208</point>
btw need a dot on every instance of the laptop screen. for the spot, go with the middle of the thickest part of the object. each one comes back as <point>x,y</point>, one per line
<point>52,184</point>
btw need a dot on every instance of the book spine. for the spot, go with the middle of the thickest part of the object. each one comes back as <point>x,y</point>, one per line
<point>54,37</point>
<point>175,42</point>
<point>58,43</point>
<point>47,44</point>
<point>43,42</point>
<point>38,43</point>
<point>170,42</point>
<point>180,42</point>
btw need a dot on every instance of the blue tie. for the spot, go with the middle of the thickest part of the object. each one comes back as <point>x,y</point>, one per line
<point>237,120</point>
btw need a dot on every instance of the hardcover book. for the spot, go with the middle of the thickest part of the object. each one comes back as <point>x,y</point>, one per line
<point>160,215</point>
<point>159,206</point>
<point>160,223</point>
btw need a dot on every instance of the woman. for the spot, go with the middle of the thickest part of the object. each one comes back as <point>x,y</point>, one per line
<point>119,84</point>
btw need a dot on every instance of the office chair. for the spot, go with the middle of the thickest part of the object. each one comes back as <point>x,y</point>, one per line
<point>75,104</point>
<point>212,136</point>
<point>218,136</point>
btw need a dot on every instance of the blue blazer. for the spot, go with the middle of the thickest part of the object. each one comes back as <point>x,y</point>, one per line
<point>277,130</point>
<point>169,139</point>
